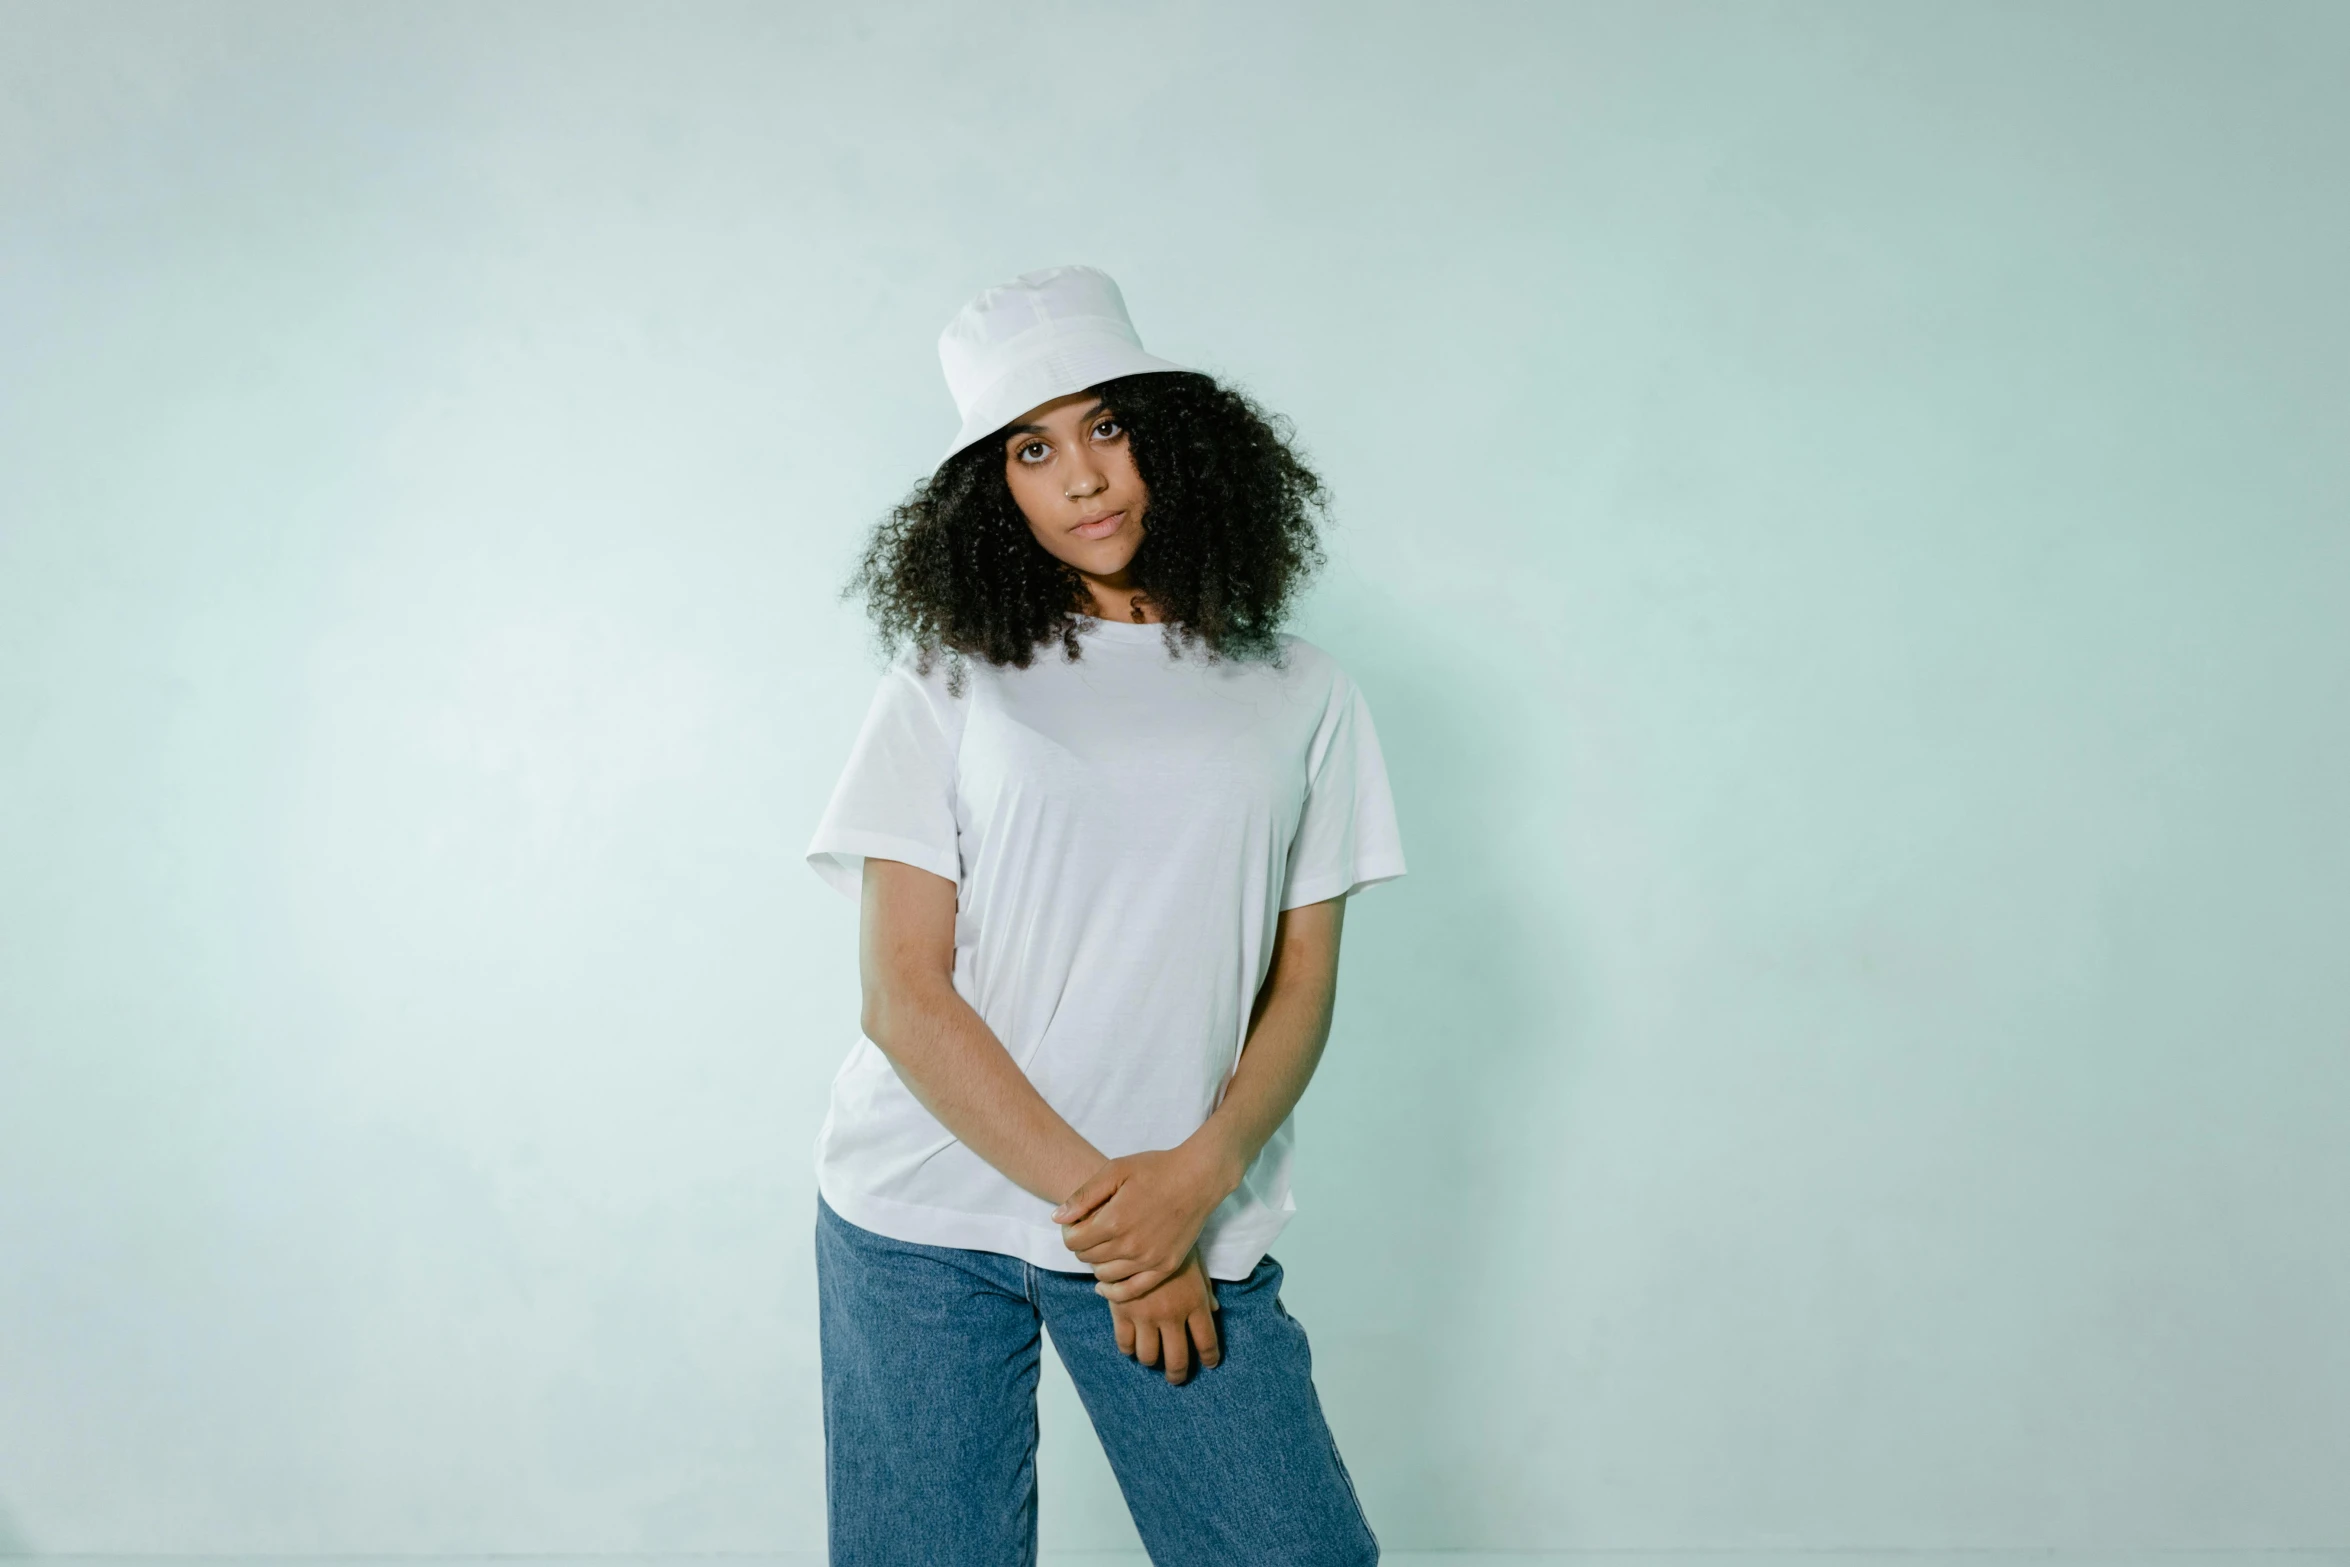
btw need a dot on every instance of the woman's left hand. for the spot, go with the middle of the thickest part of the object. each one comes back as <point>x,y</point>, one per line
<point>1172,1323</point>
<point>1136,1218</point>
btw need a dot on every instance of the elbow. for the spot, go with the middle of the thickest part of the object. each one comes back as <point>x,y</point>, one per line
<point>902,1010</point>
<point>889,1010</point>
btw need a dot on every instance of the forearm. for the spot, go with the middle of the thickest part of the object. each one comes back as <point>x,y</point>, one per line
<point>944,1053</point>
<point>953,1063</point>
<point>1277,1063</point>
<point>1136,1217</point>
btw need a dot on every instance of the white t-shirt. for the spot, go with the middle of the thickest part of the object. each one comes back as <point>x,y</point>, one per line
<point>1123,832</point>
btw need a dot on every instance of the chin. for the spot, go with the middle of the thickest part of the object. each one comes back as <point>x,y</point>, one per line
<point>1108,560</point>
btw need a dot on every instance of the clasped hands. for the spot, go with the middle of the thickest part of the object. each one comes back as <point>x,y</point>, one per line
<point>1136,1223</point>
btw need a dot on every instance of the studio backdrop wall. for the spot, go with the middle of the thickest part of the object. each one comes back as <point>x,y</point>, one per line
<point>1839,513</point>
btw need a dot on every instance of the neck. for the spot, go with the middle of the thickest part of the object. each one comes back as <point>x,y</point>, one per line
<point>1117,598</point>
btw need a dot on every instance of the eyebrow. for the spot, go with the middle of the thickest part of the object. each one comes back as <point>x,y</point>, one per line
<point>1038,429</point>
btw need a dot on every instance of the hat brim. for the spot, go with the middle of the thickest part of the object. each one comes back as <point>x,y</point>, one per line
<point>1069,364</point>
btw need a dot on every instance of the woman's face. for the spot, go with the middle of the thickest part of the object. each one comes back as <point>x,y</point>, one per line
<point>1073,474</point>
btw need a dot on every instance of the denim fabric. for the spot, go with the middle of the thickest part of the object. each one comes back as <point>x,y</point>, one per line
<point>930,1367</point>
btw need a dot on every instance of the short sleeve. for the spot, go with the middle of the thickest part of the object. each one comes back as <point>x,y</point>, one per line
<point>1347,837</point>
<point>896,797</point>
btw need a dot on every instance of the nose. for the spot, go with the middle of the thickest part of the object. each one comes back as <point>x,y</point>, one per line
<point>1086,478</point>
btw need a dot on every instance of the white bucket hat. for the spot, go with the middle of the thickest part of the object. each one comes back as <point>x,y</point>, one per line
<point>1041,336</point>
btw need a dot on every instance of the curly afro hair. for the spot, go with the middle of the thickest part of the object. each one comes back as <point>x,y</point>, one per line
<point>1230,538</point>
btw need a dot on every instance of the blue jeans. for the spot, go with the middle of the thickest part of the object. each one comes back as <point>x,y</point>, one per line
<point>930,1365</point>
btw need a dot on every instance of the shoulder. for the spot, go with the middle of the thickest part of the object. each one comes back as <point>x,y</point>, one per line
<point>935,677</point>
<point>1308,659</point>
<point>940,692</point>
<point>1310,667</point>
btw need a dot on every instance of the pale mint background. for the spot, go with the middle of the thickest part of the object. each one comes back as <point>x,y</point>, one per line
<point>1845,527</point>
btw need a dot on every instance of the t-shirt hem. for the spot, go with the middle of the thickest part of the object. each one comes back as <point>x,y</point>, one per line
<point>1237,1249</point>
<point>1041,1247</point>
<point>1233,1254</point>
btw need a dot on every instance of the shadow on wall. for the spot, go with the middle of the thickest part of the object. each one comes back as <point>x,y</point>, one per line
<point>1455,1007</point>
<point>12,1540</point>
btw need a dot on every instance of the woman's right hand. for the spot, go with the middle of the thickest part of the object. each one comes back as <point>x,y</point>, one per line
<point>1136,1217</point>
<point>1166,1323</point>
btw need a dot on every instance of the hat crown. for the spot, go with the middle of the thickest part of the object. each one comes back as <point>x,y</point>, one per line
<point>1043,335</point>
<point>987,335</point>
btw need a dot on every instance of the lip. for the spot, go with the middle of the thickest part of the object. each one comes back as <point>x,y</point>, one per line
<point>1099,526</point>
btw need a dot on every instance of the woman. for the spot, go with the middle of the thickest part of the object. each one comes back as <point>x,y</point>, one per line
<point>1101,821</point>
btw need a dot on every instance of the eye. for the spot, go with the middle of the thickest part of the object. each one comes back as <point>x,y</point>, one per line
<point>1032,451</point>
<point>1107,428</point>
